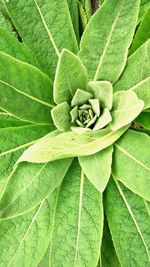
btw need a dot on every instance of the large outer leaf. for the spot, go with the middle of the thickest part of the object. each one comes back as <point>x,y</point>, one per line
<point>25,91</point>
<point>73,9</point>
<point>97,167</point>
<point>30,184</point>
<point>46,30</point>
<point>78,222</point>
<point>13,142</point>
<point>24,239</point>
<point>142,34</point>
<point>129,222</point>
<point>70,144</point>
<point>70,76</point>
<point>131,164</point>
<point>10,45</point>
<point>145,5</point>
<point>108,254</point>
<point>6,120</point>
<point>104,46</point>
<point>136,75</point>
<point>144,120</point>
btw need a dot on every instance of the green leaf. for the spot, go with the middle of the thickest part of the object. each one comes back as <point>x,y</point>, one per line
<point>73,9</point>
<point>80,97</point>
<point>108,254</point>
<point>5,23</point>
<point>28,86</point>
<point>126,107</point>
<point>70,144</point>
<point>86,4</point>
<point>145,5</point>
<point>45,261</point>
<point>144,120</point>
<point>13,142</point>
<point>97,167</point>
<point>104,119</point>
<point>29,184</point>
<point>70,75</point>
<point>136,76</point>
<point>128,218</point>
<point>104,46</point>
<point>6,120</point>
<point>48,31</point>
<point>142,34</point>
<point>10,45</point>
<point>131,164</point>
<point>61,116</point>
<point>103,91</point>
<point>24,239</point>
<point>78,222</point>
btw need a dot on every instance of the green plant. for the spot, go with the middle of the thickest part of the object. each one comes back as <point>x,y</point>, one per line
<point>74,131</point>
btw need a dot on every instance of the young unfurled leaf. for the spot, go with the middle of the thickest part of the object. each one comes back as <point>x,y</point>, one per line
<point>70,144</point>
<point>144,120</point>
<point>70,75</point>
<point>129,223</point>
<point>78,222</point>
<point>104,46</point>
<point>61,116</point>
<point>126,107</point>
<point>131,162</point>
<point>97,167</point>
<point>103,91</point>
<point>136,76</point>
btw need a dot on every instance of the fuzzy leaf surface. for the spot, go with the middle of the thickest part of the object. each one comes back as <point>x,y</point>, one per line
<point>29,234</point>
<point>46,30</point>
<point>136,76</point>
<point>78,222</point>
<point>104,46</point>
<point>70,144</point>
<point>97,168</point>
<point>142,34</point>
<point>13,142</point>
<point>31,89</point>
<point>70,76</point>
<point>131,163</point>
<point>128,217</point>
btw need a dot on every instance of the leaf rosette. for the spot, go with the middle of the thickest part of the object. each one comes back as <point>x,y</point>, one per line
<point>93,106</point>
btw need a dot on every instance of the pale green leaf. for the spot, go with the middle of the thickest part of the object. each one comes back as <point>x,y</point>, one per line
<point>78,222</point>
<point>129,222</point>
<point>104,46</point>
<point>13,142</point>
<point>136,76</point>
<point>45,261</point>
<point>70,75</point>
<point>46,30</point>
<point>80,97</point>
<point>144,120</point>
<point>24,239</point>
<point>103,120</point>
<point>97,167</point>
<point>131,164</point>
<point>126,107</point>
<point>108,254</point>
<point>30,184</point>
<point>103,91</point>
<point>87,8</point>
<point>5,23</point>
<point>70,144</point>
<point>142,34</point>
<point>25,91</point>
<point>10,45</point>
<point>61,116</point>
